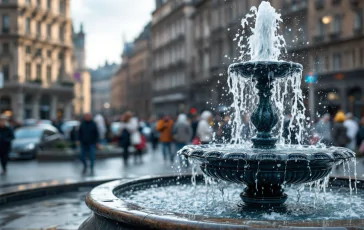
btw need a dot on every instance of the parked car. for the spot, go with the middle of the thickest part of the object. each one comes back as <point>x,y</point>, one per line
<point>68,126</point>
<point>30,140</point>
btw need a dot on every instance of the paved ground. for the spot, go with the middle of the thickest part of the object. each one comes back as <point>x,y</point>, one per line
<point>33,171</point>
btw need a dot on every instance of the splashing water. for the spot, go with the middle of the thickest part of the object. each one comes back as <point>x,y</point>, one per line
<point>265,44</point>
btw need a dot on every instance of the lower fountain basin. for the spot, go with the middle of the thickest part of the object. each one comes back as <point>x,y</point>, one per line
<point>171,202</point>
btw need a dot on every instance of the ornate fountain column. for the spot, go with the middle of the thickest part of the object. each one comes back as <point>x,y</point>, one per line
<point>265,117</point>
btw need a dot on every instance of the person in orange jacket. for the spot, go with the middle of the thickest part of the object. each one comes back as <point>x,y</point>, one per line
<point>165,127</point>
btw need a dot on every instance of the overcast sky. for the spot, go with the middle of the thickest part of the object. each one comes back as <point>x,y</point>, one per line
<point>105,22</point>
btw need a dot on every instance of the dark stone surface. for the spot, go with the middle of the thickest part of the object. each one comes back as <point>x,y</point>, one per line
<point>268,168</point>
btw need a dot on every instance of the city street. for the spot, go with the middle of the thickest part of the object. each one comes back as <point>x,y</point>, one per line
<point>34,171</point>
<point>153,164</point>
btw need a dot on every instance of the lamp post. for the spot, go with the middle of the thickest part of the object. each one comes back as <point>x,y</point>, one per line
<point>311,79</point>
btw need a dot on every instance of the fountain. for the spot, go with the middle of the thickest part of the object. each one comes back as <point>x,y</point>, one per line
<point>265,166</point>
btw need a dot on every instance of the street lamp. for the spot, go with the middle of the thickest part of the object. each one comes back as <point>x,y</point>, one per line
<point>326,20</point>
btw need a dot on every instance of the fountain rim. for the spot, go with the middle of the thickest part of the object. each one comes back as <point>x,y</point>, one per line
<point>103,202</point>
<point>252,66</point>
<point>264,154</point>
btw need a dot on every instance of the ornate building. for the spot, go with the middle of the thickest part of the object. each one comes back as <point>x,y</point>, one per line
<point>120,82</point>
<point>36,59</point>
<point>140,78</point>
<point>82,100</point>
<point>171,36</point>
<point>101,79</point>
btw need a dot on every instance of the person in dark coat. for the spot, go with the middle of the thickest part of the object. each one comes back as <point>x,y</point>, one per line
<point>6,136</point>
<point>88,136</point>
<point>339,131</point>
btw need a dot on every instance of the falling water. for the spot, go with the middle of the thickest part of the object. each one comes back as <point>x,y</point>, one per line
<point>266,44</point>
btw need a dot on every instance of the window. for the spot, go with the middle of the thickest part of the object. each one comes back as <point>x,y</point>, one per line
<point>49,4</point>
<point>6,48</point>
<point>5,1</point>
<point>28,2</point>
<point>320,28</point>
<point>49,31</point>
<point>39,3</point>
<point>358,20</point>
<point>337,24</point>
<point>61,6</point>
<point>60,56</point>
<point>39,29</point>
<point>27,25</point>
<point>49,74</point>
<point>319,64</point>
<point>336,61</point>
<point>38,52</point>
<point>28,50</point>
<point>61,33</point>
<point>39,72</point>
<point>6,72</point>
<point>28,72</point>
<point>49,53</point>
<point>6,24</point>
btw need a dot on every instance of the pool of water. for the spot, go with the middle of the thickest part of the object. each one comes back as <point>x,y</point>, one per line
<point>223,201</point>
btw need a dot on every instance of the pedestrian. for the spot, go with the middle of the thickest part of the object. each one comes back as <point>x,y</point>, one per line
<point>58,123</point>
<point>323,129</point>
<point>182,133</point>
<point>101,128</point>
<point>194,124</point>
<point>165,126</point>
<point>129,136</point>
<point>88,136</point>
<point>339,135</point>
<point>352,130</point>
<point>204,131</point>
<point>360,137</point>
<point>74,137</point>
<point>6,136</point>
<point>154,134</point>
<point>225,132</point>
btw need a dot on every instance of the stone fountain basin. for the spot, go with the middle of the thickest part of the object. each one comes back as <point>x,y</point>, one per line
<point>111,212</point>
<point>288,165</point>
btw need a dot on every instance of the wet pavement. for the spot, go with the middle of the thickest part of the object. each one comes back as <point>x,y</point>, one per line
<point>34,171</point>
<point>65,211</point>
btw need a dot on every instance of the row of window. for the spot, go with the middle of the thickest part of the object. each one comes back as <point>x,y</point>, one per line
<point>39,72</point>
<point>170,32</point>
<point>38,52</point>
<point>170,81</point>
<point>169,56</point>
<point>336,23</point>
<point>61,4</point>
<point>339,61</point>
<point>61,30</point>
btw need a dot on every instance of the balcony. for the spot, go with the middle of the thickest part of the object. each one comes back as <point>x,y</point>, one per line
<point>319,38</point>
<point>319,4</point>
<point>336,2</point>
<point>5,30</point>
<point>334,36</point>
<point>358,31</point>
<point>294,7</point>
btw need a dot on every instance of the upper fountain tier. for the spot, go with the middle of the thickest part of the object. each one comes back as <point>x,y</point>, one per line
<point>261,70</point>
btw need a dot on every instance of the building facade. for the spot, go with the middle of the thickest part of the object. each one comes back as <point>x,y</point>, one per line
<point>139,77</point>
<point>101,88</point>
<point>171,35</point>
<point>120,82</point>
<point>36,59</point>
<point>82,77</point>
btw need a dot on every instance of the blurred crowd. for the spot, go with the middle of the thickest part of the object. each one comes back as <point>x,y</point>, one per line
<point>170,134</point>
<point>342,130</point>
